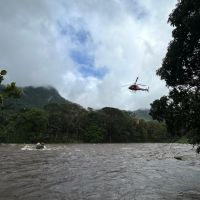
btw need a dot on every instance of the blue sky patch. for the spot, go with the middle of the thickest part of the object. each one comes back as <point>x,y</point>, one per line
<point>78,34</point>
<point>82,53</point>
<point>82,58</point>
<point>91,71</point>
<point>85,65</point>
<point>82,36</point>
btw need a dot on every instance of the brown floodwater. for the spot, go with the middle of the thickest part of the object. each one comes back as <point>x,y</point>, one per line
<point>99,171</point>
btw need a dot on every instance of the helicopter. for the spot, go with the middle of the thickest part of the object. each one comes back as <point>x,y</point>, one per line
<point>136,87</point>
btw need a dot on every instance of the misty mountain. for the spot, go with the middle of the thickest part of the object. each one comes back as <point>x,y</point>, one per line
<point>143,114</point>
<point>37,97</point>
<point>40,96</point>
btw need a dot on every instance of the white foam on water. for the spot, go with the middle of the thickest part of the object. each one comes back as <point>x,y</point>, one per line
<point>27,147</point>
<point>33,148</point>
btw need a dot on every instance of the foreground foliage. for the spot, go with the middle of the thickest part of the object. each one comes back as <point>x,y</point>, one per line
<point>10,90</point>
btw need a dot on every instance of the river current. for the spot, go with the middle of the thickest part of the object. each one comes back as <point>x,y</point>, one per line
<point>99,172</point>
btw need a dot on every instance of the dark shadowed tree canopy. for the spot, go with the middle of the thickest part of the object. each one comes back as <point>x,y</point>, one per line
<point>10,90</point>
<point>181,65</point>
<point>181,71</point>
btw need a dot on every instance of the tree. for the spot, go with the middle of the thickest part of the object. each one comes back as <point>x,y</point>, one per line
<point>28,125</point>
<point>10,90</point>
<point>119,125</point>
<point>7,91</point>
<point>156,131</point>
<point>181,71</point>
<point>181,65</point>
<point>65,122</point>
<point>94,134</point>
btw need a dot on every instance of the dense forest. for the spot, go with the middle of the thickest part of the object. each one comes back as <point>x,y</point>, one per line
<point>41,114</point>
<point>180,69</point>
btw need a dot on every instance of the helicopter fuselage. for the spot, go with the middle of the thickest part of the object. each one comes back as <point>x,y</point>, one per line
<point>135,87</point>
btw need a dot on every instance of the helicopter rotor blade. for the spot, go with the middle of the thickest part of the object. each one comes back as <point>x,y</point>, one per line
<point>136,80</point>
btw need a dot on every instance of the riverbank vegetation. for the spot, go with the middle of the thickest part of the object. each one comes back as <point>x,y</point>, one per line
<point>28,120</point>
<point>180,69</point>
<point>42,115</point>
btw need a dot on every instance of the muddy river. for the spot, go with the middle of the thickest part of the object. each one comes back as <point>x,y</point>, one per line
<point>99,171</point>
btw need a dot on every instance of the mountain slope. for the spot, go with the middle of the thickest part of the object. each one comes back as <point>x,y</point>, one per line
<point>143,114</point>
<point>38,96</point>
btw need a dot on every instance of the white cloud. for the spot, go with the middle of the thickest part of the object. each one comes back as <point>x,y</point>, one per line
<point>128,37</point>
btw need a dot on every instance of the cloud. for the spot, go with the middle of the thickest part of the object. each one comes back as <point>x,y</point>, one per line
<point>87,49</point>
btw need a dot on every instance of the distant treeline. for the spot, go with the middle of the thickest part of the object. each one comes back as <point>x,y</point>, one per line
<point>65,123</point>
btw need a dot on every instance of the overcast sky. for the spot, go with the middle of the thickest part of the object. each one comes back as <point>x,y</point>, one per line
<point>87,49</point>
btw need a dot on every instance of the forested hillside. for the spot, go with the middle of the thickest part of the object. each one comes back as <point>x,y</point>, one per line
<point>143,114</point>
<point>37,96</point>
<point>41,114</point>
